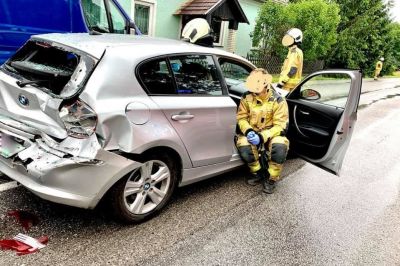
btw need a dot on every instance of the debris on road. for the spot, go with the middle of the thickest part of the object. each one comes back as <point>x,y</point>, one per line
<point>24,244</point>
<point>21,243</point>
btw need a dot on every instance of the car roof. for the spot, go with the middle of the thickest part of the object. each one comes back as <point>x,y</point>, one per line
<point>95,45</point>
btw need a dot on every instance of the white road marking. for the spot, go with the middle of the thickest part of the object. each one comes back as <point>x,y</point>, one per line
<point>8,186</point>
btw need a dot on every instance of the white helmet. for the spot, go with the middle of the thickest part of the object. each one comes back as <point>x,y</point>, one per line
<point>382,59</point>
<point>292,36</point>
<point>196,29</point>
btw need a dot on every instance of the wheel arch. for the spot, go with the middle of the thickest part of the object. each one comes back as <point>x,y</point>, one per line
<point>139,158</point>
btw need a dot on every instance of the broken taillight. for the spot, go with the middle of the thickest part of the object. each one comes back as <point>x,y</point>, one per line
<point>79,119</point>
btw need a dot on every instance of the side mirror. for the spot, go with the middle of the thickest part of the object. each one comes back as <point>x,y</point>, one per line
<point>132,29</point>
<point>310,94</point>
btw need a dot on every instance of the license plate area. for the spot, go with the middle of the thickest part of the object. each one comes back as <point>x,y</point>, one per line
<point>10,145</point>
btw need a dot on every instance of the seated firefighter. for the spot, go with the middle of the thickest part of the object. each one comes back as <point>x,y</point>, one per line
<point>263,120</point>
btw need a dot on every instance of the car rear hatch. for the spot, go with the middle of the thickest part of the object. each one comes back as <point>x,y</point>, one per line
<point>37,80</point>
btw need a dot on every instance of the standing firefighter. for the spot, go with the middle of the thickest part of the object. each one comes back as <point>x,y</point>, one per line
<point>263,120</point>
<point>292,68</point>
<point>378,67</point>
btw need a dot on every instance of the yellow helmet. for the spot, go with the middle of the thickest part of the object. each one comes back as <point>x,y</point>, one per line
<point>258,80</point>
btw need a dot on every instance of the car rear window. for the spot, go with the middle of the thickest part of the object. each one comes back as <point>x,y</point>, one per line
<point>51,68</point>
<point>181,75</point>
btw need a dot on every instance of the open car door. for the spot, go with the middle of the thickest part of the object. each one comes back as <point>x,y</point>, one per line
<point>323,112</point>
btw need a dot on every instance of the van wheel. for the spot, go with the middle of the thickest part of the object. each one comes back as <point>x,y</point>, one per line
<point>145,190</point>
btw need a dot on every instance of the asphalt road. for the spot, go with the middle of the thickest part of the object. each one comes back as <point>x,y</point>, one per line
<point>313,218</point>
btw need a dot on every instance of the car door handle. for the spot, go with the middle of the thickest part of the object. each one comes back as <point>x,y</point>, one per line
<point>182,117</point>
<point>304,113</point>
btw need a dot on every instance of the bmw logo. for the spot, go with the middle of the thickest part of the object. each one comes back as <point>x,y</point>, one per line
<point>23,100</point>
<point>146,186</point>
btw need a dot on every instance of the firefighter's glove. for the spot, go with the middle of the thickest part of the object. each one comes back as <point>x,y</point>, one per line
<point>253,138</point>
<point>279,85</point>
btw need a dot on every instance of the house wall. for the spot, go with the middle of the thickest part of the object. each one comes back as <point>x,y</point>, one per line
<point>243,39</point>
<point>167,25</point>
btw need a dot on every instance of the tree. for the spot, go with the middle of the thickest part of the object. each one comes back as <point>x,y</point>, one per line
<point>269,28</point>
<point>393,57</point>
<point>363,35</point>
<point>318,19</point>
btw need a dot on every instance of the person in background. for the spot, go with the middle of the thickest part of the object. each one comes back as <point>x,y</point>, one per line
<point>292,68</point>
<point>263,120</point>
<point>378,68</point>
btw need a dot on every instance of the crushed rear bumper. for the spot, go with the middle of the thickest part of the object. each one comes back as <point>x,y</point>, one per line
<point>73,172</point>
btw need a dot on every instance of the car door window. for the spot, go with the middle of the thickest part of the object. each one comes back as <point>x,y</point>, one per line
<point>118,20</point>
<point>234,72</point>
<point>330,89</point>
<point>156,77</point>
<point>96,15</point>
<point>196,74</point>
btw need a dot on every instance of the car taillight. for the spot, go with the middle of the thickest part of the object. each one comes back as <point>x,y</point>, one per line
<point>79,119</point>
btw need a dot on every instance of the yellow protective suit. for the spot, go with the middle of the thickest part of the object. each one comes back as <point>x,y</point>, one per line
<point>378,69</point>
<point>292,68</point>
<point>269,117</point>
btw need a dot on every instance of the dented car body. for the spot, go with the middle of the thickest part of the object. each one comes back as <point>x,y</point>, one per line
<point>84,117</point>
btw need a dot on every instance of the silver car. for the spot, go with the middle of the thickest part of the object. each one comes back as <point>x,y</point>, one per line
<point>85,117</point>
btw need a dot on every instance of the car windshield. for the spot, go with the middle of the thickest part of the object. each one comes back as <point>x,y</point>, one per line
<point>50,68</point>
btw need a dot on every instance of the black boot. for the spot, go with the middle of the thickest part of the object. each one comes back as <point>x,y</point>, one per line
<point>255,178</point>
<point>269,186</point>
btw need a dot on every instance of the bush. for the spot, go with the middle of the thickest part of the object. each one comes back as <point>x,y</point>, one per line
<point>318,19</point>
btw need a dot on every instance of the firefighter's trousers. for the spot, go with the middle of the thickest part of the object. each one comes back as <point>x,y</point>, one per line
<point>377,72</point>
<point>277,148</point>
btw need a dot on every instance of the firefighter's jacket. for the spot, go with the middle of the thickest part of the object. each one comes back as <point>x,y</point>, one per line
<point>268,115</point>
<point>379,65</point>
<point>292,68</point>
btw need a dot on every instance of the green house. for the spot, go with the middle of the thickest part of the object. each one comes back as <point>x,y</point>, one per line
<point>231,20</point>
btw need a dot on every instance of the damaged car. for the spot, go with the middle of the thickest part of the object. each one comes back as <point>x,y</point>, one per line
<point>128,119</point>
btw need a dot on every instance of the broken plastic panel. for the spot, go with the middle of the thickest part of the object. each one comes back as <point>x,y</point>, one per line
<point>79,119</point>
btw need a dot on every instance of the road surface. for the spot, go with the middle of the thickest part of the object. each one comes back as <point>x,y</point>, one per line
<point>314,218</point>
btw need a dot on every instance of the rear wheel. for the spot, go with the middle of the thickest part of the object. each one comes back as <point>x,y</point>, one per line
<point>146,190</point>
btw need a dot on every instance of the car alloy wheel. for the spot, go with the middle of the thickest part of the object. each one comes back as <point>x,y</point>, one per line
<point>147,187</point>
<point>146,190</point>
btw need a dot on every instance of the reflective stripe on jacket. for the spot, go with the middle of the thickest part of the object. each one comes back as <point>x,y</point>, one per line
<point>269,116</point>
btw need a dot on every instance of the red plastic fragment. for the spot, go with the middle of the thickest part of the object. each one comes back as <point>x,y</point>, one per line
<point>11,244</point>
<point>21,248</point>
<point>24,218</point>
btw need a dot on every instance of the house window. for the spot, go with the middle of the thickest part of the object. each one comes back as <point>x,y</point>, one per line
<point>218,28</point>
<point>144,15</point>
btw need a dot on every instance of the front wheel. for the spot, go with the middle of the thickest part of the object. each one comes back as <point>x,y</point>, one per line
<point>145,190</point>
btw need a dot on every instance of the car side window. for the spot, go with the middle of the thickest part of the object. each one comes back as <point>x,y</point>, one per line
<point>330,89</point>
<point>96,15</point>
<point>234,72</point>
<point>196,74</point>
<point>118,20</point>
<point>156,77</point>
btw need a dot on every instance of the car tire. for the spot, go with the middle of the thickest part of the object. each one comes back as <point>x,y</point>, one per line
<point>139,196</point>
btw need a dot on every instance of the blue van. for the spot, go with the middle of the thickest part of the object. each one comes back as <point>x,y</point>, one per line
<point>19,19</point>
